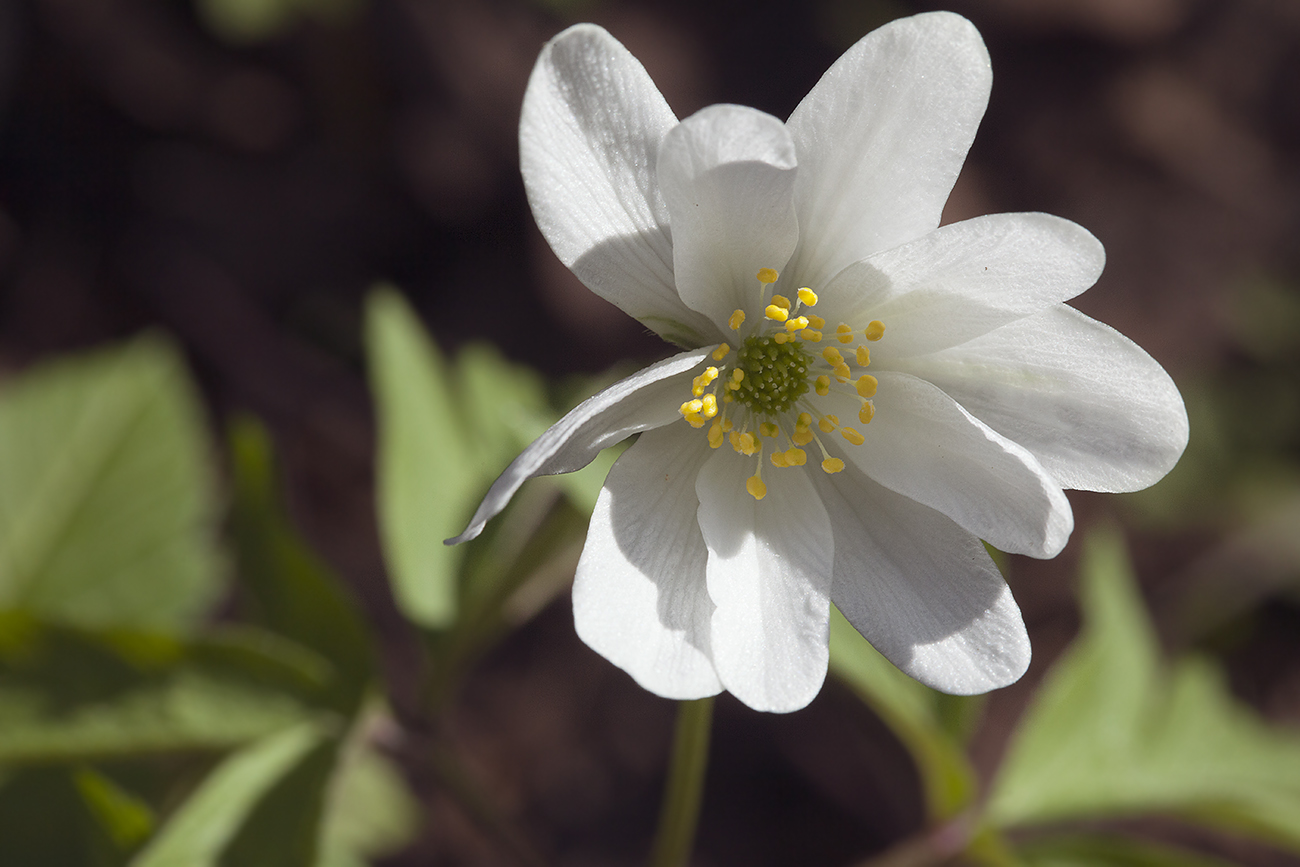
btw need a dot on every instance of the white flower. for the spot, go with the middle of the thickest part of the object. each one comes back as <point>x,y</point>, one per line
<point>774,474</point>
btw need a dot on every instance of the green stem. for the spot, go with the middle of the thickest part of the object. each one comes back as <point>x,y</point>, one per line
<point>681,807</point>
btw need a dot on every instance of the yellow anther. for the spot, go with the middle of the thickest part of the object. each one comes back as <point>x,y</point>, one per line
<point>811,336</point>
<point>804,420</point>
<point>832,355</point>
<point>737,319</point>
<point>775,313</point>
<point>875,330</point>
<point>864,356</point>
<point>852,435</point>
<point>726,398</point>
<point>867,385</point>
<point>726,424</point>
<point>715,435</point>
<point>799,323</point>
<point>767,275</point>
<point>738,374</point>
<point>782,337</point>
<point>802,435</point>
<point>867,413</point>
<point>721,352</point>
<point>746,443</point>
<point>768,429</point>
<point>779,460</point>
<point>756,488</point>
<point>695,419</point>
<point>808,296</point>
<point>832,465</point>
<point>710,406</point>
<point>781,301</point>
<point>691,407</point>
<point>828,423</point>
<point>842,372</point>
<point>816,321</point>
<point>698,384</point>
<point>822,385</point>
<point>843,333</point>
<point>796,457</point>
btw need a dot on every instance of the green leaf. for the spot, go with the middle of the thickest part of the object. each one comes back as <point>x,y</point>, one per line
<point>1113,733</point>
<point>125,820</point>
<point>913,712</point>
<point>106,500</point>
<point>1109,851</point>
<point>200,831</point>
<point>69,695</point>
<point>429,476</point>
<point>289,589</point>
<point>371,812</point>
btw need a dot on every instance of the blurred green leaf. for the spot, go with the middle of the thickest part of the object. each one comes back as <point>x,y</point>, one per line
<point>124,819</point>
<point>200,831</point>
<point>72,695</point>
<point>106,500</point>
<point>289,589</point>
<point>429,476</point>
<point>1109,851</point>
<point>913,712</point>
<point>1112,733</point>
<point>371,812</point>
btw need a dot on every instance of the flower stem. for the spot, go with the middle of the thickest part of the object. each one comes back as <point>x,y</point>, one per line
<point>680,812</point>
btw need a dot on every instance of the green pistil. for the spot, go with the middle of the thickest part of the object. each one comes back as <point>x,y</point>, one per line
<point>776,374</point>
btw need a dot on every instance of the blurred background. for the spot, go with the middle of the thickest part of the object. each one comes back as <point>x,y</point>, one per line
<point>238,174</point>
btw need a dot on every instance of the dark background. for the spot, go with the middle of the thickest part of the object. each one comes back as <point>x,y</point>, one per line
<point>243,191</point>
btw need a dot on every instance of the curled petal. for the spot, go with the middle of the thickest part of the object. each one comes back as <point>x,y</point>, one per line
<point>589,135</point>
<point>882,136</point>
<point>923,445</point>
<point>727,174</point>
<point>1097,411</point>
<point>922,590</point>
<point>647,399</point>
<point>769,574</point>
<point>639,594</point>
<point>965,280</point>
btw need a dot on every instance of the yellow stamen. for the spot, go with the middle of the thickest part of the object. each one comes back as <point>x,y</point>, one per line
<point>796,457</point>
<point>816,321</point>
<point>691,407</point>
<point>842,372</point>
<point>775,313</point>
<point>804,420</point>
<point>782,302</point>
<point>738,374</point>
<point>828,423</point>
<point>808,296</point>
<point>756,488</point>
<point>832,465</point>
<point>875,330</point>
<point>822,385</point>
<point>710,402</point>
<point>867,385</point>
<point>737,319</point>
<point>802,435</point>
<point>799,323</point>
<point>843,333</point>
<point>810,335</point>
<point>767,275</point>
<point>768,429</point>
<point>779,460</point>
<point>782,337</point>
<point>832,355</point>
<point>715,435</point>
<point>852,435</point>
<point>721,352</point>
<point>867,413</point>
<point>864,356</point>
<point>699,383</point>
<point>726,424</point>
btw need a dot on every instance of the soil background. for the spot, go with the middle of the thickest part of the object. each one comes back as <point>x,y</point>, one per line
<point>243,194</point>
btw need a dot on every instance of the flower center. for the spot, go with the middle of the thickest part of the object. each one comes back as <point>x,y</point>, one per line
<point>764,386</point>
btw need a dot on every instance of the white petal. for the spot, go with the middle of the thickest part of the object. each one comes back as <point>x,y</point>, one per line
<point>1098,412</point>
<point>769,575</point>
<point>964,280</point>
<point>922,590</point>
<point>647,399</point>
<point>923,445</point>
<point>639,595</point>
<point>882,137</point>
<point>727,174</point>
<point>589,136</point>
